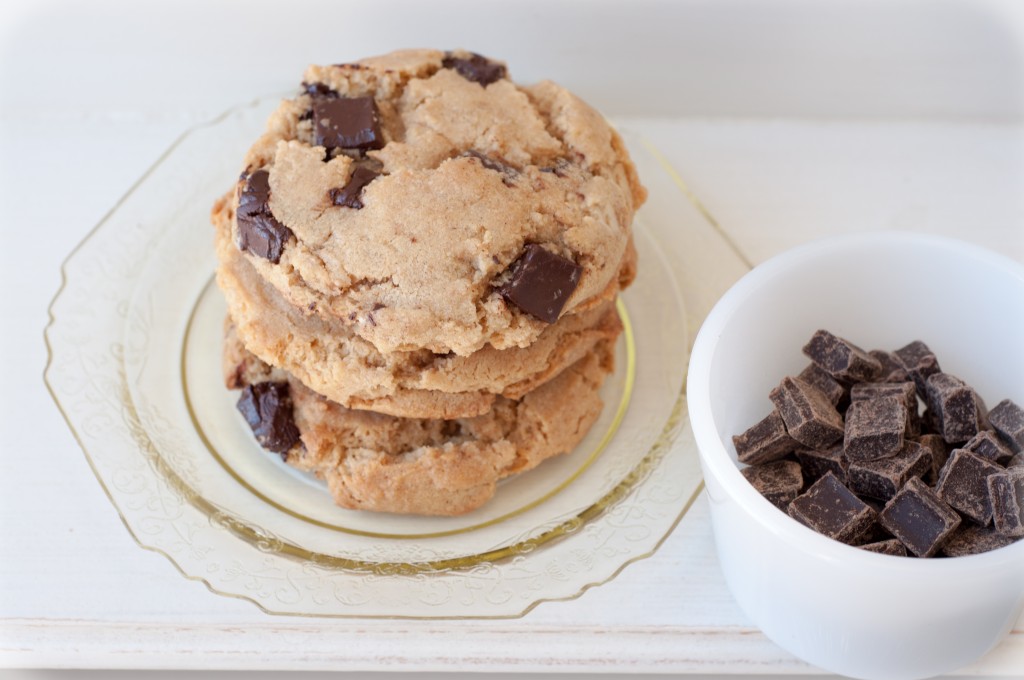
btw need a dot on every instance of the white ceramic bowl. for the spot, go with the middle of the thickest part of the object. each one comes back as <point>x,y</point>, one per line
<point>841,608</point>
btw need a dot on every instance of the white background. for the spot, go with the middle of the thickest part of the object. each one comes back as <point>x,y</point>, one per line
<point>789,119</point>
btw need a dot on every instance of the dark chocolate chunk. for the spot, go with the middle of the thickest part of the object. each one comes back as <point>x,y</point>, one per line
<point>831,509</point>
<point>507,171</point>
<point>956,406</point>
<point>541,283</point>
<point>815,376</point>
<point>1016,461</point>
<point>842,359</point>
<point>320,90</point>
<point>904,391</point>
<point>962,484</point>
<point>972,539</point>
<point>883,478</point>
<point>930,423</point>
<point>892,369</point>
<point>940,454</point>
<point>1008,420</point>
<point>919,518</point>
<point>874,429</point>
<point>267,407</point>
<point>810,417</point>
<point>351,195</point>
<point>889,547</point>
<point>778,482</point>
<point>764,442</point>
<point>347,122</point>
<point>876,532</point>
<point>817,463</point>
<point>475,67</point>
<point>920,363</point>
<point>988,445</point>
<point>1006,494</point>
<point>259,232</point>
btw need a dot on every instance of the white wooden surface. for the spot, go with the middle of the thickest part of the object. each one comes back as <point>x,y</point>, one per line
<point>80,121</point>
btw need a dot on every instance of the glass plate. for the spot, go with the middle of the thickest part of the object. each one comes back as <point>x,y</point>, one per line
<point>135,341</point>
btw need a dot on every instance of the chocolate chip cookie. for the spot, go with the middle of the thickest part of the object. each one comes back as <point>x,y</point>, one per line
<point>429,203</point>
<point>373,461</point>
<point>326,356</point>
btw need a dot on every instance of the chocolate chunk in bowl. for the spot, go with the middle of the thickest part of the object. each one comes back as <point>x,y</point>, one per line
<point>1008,420</point>
<point>919,518</point>
<point>831,509</point>
<point>765,441</point>
<point>882,478</point>
<point>955,405</point>
<point>841,359</point>
<point>1006,495</point>
<point>808,413</point>
<point>778,482</point>
<point>874,428</point>
<point>963,485</point>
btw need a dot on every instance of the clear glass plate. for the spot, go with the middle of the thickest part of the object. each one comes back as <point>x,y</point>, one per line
<point>135,340</point>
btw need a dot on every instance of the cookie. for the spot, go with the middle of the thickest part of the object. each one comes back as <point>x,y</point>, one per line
<point>329,359</point>
<point>426,201</point>
<point>372,461</point>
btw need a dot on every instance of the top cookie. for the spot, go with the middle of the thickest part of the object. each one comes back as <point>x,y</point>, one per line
<point>430,203</point>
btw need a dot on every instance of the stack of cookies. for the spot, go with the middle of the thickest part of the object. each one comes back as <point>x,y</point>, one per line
<point>421,261</point>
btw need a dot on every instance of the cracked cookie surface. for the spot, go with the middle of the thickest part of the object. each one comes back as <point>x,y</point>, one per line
<point>408,236</point>
<point>372,461</point>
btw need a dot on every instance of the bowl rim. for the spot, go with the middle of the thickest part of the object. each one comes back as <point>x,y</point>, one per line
<point>712,449</point>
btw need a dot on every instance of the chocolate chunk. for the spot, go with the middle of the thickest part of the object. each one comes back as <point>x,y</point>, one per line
<point>874,429</point>
<point>892,369</point>
<point>920,363</point>
<point>351,195</point>
<point>475,68</point>
<point>936,445</point>
<point>778,482</point>
<point>831,509</point>
<point>1008,420</point>
<point>962,484</point>
<point>956,406</point>
<point>764,442</point>
<point>972,539</point>
<point>876,532</point>
<point>347,122</point>
<point>841,359</point>
<point>810,417</point>
<point>320,90</point>
<point>267,407</point>
<point>1006,494</point>
<point>988,445</point>
<point>889,547</point>
<point>817,463</point>
<point>1016,461</point>
<point>541,283</point>
<point>507,171</point>
<point>883,478</point>
<point>259,232</point>
<point>904,391</point>
<point>919,518</point>
<point>813,375</point>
